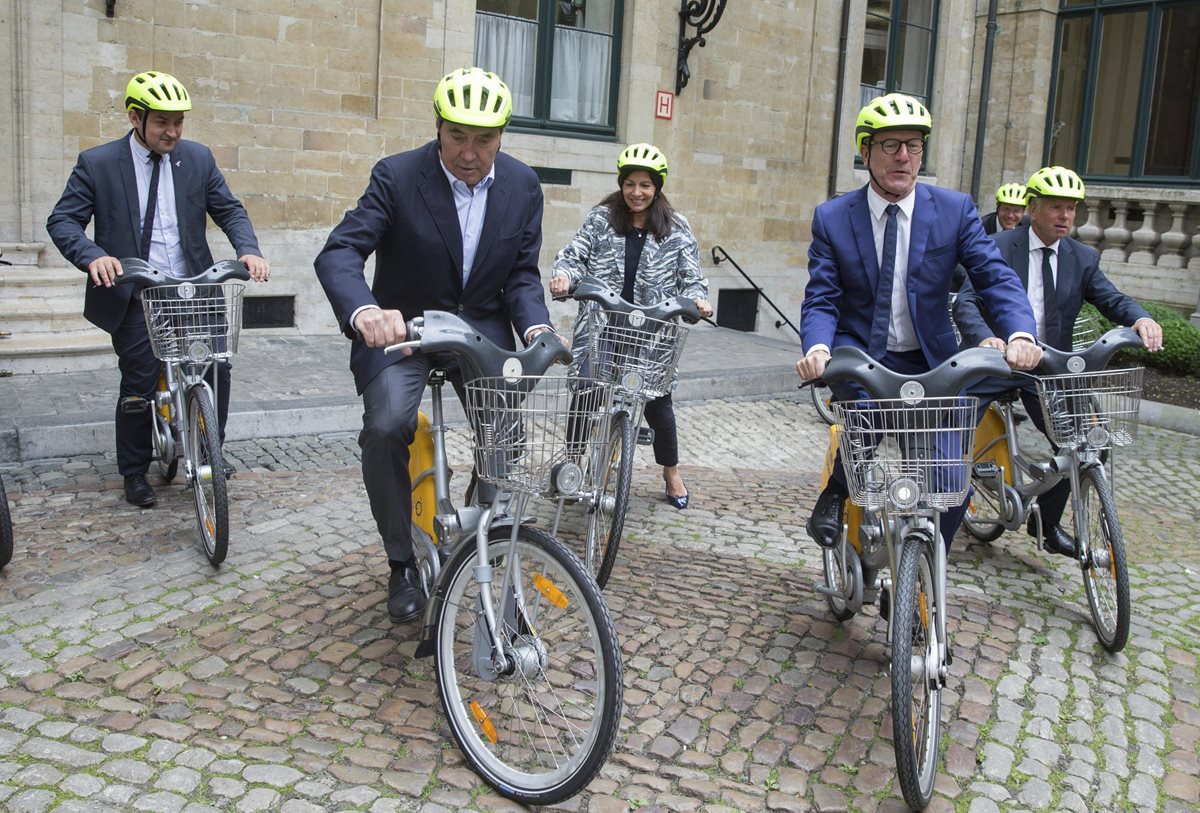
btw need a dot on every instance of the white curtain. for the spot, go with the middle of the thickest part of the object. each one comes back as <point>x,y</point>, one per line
<point>507,47</point>
<point>579,90</point>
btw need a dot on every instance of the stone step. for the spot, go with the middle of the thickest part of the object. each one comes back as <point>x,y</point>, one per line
<point>24,254</point>
<point>24,278</point>
<point>39,315</point>
<point>46,353</point>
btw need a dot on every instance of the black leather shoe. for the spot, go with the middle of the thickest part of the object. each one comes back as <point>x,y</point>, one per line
<point>405,600</point>
<point>825,524</point>
<point>1059,541</point>
<point>138,491</point>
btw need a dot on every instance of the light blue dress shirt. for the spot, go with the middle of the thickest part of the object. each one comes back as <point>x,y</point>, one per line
<point>471,205</point>
<point>166,251</point>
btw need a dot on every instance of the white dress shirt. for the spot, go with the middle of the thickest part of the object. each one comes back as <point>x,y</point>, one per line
<point>902,335</point>
<point>1033,284</point>
<point>166,250</point>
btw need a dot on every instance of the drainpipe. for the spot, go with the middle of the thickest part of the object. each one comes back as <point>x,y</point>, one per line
<point>984,87</point>
<point>837,100</point>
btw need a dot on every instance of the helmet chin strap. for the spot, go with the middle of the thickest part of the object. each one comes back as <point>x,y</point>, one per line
<point>885,192</point>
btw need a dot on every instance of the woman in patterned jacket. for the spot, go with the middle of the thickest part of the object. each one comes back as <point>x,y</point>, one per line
<point>634,241</point>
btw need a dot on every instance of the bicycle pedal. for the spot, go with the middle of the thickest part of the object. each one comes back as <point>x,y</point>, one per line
<point>645,436</point>
<point>133,405</point>
<point>985,470</point>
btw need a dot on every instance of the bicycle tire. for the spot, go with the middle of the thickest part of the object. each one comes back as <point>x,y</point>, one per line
<point>208,475</point>
<point>978,518</point>
<point>606,519</point>
<point>831,561</point>
<point>1105,578</point>
<point>6,531</point>
<point>163,443</point>
<point>820,398</point>
<point>916,722</point>
<point>563,601</point>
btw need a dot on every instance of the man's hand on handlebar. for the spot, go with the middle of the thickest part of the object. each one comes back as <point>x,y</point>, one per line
<point>260,269</point>
<point>380,328</point>
<point>1021,353</point>
<point>560,286</point>
<point>104,271</point>
<point>704,308</point>
<point>1151,334</point>
<point>813,365</point>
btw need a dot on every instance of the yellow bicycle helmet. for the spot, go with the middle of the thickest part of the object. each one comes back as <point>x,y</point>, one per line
<point>643,156</point>
<point>1011,193</point>
<point>895,111</point>
<point>154,90</point>
<point>1054,182</point>
<point>474,97</point>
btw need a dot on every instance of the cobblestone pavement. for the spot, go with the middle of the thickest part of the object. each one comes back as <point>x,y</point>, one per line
<point>134,677</point>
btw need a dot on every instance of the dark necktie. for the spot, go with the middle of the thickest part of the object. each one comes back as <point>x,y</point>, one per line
<point>151,204</point>
<point>1049,301</point>
<point>877,345</point>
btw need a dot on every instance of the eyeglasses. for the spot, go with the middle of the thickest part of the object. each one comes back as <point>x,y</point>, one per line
<point>891,146</point>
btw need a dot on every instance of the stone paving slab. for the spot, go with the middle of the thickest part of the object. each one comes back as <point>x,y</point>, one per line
<point>134,677</point>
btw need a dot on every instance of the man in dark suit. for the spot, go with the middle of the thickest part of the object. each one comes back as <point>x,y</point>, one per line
<point>880,269</point>
<point>454,225</point>
<point>149,195</point>
<point>1059,274</point>
<point>1010,208</point>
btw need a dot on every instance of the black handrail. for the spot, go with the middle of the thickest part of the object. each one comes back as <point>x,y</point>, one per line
<point>782,320</point>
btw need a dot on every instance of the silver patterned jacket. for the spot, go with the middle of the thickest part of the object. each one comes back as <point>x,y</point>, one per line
<point>667,269</point>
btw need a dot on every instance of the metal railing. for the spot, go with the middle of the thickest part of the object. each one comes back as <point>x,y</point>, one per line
<point>782,320</point>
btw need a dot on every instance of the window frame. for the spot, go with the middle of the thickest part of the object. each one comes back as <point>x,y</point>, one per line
<point>543,77</point>
<point>889,72</point>
<point>1096,10</point>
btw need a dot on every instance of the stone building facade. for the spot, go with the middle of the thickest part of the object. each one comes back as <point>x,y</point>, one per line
<point>299,98</point>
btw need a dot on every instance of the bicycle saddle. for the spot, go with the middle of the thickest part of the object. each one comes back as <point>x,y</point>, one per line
<point>946,380</point>
<point>479,357</point>
<point>590,289</point>
<point>136,271</point>
<point>1095,357</point>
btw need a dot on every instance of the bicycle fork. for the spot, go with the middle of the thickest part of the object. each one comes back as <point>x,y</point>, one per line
<point>933,665</point>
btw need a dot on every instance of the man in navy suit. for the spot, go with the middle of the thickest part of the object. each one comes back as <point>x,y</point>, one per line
<point>880,269</point>
<point>1042,253</point>
<point>454,225</point>
<point>112,185</point>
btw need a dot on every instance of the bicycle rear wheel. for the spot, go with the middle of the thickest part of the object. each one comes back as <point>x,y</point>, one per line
<point>916,685</point>
<point>981,518</point>
<point>540,732</point>
<point>1106,575</point>
<point>208,474</point>
<point>165,450</point>
<point>6,533</point>
<point>820,398</point>
<point>606,519</point>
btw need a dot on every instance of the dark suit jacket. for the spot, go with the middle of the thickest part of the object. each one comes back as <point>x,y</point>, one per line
<point>408,220</point>
<point>1079,280</point>
<point>839,300</point>
<point>103,187</point>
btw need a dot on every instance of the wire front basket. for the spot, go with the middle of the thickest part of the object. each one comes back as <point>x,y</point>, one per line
<point>190,322</point>
<point>633,351</point>
<point>1076,404</point>
<point>527,428</point>
<point>906,456</point>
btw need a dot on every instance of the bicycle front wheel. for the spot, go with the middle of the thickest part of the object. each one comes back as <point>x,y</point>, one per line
<point>208,474</point>
<point>606,518</point>
<point>6,533</point>
<point>540,731</point>
<point>1106,574</point>
<point>916,684</point>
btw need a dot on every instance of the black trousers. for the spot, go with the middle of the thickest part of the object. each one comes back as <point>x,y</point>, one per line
<point>660,416</point>
<point>139,379</point>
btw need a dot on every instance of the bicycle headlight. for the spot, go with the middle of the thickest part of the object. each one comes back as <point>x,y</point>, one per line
<point>566,477</point>
<point>631,381</point>
<point>1097,437</point>
<point>198,351</point>
<point>904,493</point>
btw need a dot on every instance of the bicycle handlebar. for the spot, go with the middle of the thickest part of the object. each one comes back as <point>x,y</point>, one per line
<point>479,356</point>
<point>1095,357</point>
<point>947,379</point>
<point>590,289</point>
<point>136,271</point>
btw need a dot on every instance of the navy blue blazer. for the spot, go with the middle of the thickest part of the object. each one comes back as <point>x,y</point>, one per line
<point>408,220</point>
<point>1079,280</point>
<point>103,188</point>
<point>839,300</point>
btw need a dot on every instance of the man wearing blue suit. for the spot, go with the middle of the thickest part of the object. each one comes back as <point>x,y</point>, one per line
<point>1060,274</point>
<point>145,206</point>
<point>880,269</point>
<point>456,226</point>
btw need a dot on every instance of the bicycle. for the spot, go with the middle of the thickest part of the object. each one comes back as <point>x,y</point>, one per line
<point>1088,411</point>
<point>193,324</point>
<point>906,452</point>
<point>636,348</point>
<point>525,652</point>
<point>6,531</point>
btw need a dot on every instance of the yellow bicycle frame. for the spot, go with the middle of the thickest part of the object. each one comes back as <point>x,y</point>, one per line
<point>851,513</point>
<point>990,444</point>
<point>420,472</point>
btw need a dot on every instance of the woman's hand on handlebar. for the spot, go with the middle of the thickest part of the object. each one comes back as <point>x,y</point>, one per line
<point>704,308</point>
<point>380,328</point>
<point>812,366</point>
<point>104,271</point>
<point>560,286</point>
<point>260,269</point>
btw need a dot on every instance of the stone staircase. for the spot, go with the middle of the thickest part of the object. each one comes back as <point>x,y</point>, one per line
<point>41,315</point>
